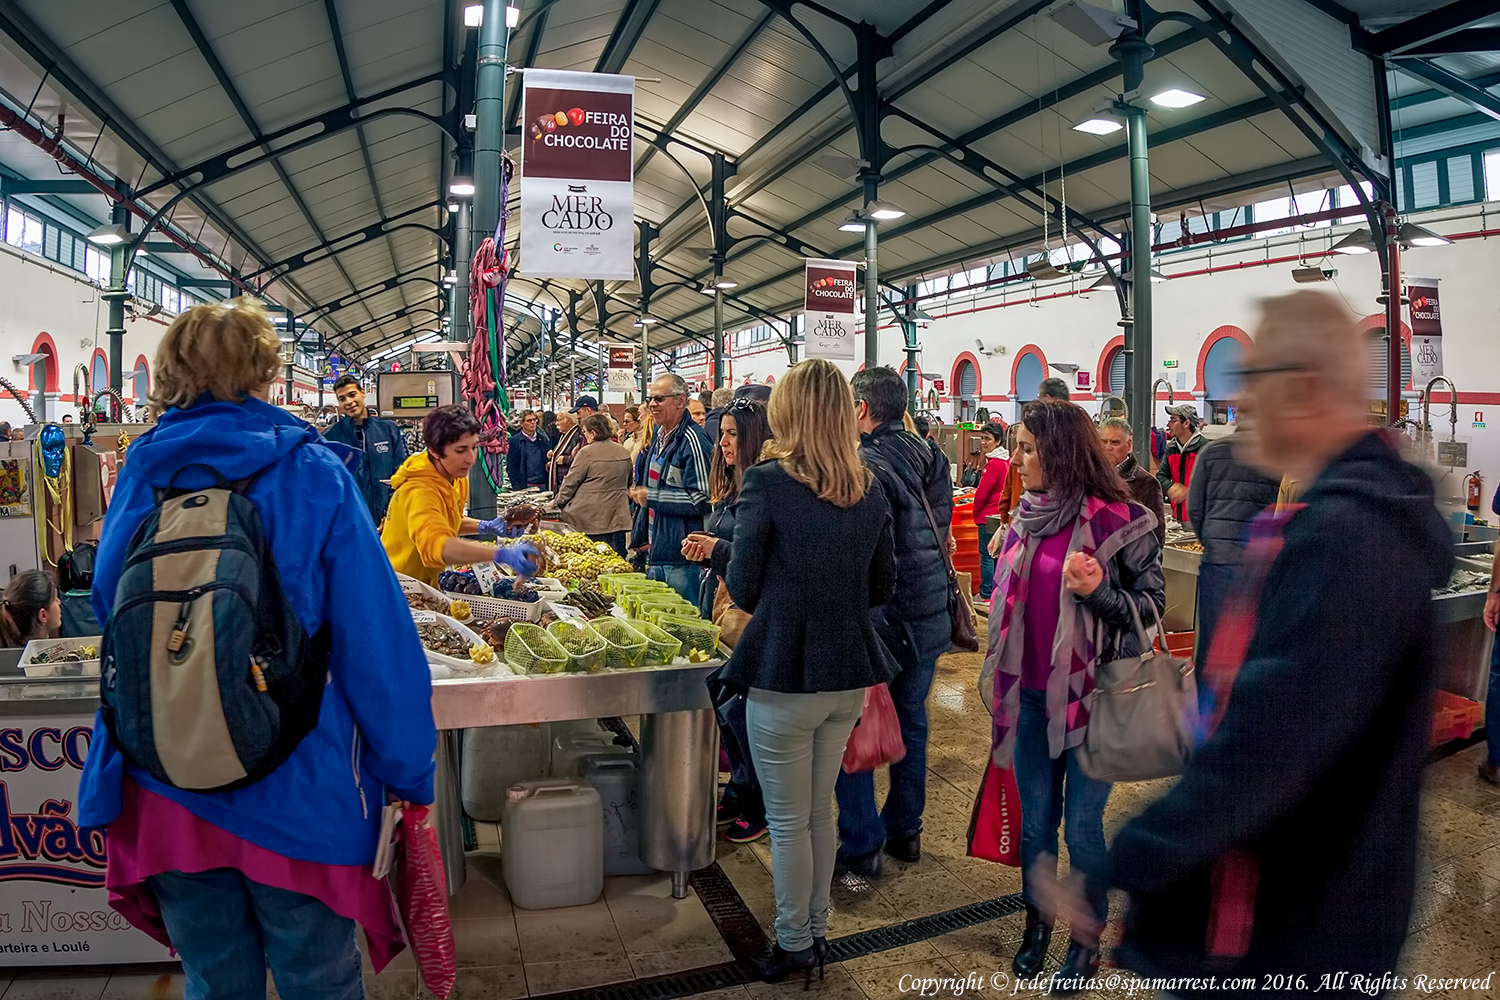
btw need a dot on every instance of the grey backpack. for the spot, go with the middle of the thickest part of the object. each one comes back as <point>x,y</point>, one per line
<point>208,680</point>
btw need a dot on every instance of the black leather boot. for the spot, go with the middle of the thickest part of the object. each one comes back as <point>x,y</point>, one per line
<point>784,963</point>
<point>908,849</point>
<point>1032,954</point>
<point>1078,968</point>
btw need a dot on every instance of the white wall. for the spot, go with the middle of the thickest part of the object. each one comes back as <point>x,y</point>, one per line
<point>46,298</point>
<point>1076,328</point>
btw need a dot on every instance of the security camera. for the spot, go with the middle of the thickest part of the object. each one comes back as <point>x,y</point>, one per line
<point>1310,274</point>
<point>989,350</point>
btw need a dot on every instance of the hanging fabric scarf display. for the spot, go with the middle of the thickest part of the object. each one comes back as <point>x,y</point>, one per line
<point>54,466</point>
<point>484,368</point>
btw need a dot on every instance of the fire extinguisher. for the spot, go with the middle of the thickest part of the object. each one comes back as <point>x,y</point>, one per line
<point>1473,482</point>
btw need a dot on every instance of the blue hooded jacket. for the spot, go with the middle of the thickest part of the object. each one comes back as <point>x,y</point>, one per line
<point>375,731</point>
<point>383,449</point>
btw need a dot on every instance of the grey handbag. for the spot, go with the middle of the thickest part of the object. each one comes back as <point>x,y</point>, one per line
<point>1143,717</point>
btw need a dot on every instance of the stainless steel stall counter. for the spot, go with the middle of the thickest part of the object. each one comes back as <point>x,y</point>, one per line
<point>679,750</point>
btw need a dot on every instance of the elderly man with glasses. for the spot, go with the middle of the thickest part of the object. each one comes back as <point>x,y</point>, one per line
<point>675,493</point>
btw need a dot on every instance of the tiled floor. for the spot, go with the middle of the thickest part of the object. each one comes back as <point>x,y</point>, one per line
<point>637,930</point>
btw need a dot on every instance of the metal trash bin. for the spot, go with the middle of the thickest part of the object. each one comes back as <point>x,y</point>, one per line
<point>679,775</point>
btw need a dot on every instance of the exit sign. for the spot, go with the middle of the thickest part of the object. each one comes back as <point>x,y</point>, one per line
<point>1169,364</point>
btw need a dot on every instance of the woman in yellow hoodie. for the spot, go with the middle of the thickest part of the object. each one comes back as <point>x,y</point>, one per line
<point>426,515</point>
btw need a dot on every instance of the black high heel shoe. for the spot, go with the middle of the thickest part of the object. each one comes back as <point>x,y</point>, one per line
<point>821,946</point>
<point>783,963</point>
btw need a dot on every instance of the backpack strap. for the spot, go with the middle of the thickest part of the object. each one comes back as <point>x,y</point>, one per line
<point>240,486</point>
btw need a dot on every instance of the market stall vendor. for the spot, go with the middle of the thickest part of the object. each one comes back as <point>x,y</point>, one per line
<point>426,515</point>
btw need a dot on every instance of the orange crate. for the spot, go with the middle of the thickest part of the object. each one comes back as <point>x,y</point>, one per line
<point>1453,717</point>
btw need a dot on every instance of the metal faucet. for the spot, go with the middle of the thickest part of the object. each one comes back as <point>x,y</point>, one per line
<point>1427,407</point>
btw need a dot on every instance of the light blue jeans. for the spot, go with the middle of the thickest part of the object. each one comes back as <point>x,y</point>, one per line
<point>685,578</point>
<point>228,929</point>
<point>797,743</point>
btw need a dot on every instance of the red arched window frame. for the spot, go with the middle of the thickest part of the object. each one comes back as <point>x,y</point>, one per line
<point>1213,338</point>
<point>1106,357</point>
<point>1015,365</point>
<point>44,345</point>
<point>1377,322</point>
<point>138,391</point>
<point>958,362</point>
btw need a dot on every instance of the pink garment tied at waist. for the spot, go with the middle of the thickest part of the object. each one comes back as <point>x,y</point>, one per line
<point>153,835</point>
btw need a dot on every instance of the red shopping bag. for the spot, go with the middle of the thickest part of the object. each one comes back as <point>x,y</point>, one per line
<point>995,825</point>
<point>876,740</point>
<point>422,897</point>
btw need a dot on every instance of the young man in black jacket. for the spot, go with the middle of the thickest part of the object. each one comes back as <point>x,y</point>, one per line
<point>1295,824</point>
<point>915,625</point>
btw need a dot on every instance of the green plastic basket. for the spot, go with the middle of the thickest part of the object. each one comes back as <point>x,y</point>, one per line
<point>661,647</point>
<point>624,646</point>
<point>530,650</point>
<point>694,633</point>
<point>591,659</point>
<point>656,612</point>
<point>611,582</point>
<point>637,604</point>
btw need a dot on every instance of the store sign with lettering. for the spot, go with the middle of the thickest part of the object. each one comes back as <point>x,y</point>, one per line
<point>1426,330</point>
<point>828,307</point>
<point>577,175</point>
<point>54,908</point>
<point>621,371</point>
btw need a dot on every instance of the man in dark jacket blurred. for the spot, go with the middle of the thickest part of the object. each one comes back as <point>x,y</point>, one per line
<point>1289,845</point>
<point>526,461</point>
<point>915,625</point>
<point>1225,495</point>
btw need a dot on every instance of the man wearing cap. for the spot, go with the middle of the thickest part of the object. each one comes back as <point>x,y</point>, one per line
<point>1183,444</point>
<point>560,458</point>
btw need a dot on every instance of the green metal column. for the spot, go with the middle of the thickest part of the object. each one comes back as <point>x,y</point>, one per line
<point>872,287</point>
<point>489,142</point>
<point>116,295</point>
<point>1132,49</point>
<point>909,328</point>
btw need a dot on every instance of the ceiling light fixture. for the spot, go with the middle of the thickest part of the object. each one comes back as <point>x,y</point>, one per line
<point>109,234</point>
<point>1413,235</point>
<point>645,320</point>
<point>1176,98</point>
<point>462,187</point>
<point>453,206</point>
<point>473,16</point>
<point>884,211</point>
<point>854,224</point>
<point>1102,123</point>
<point>725,283</point>
<point>1358,241</point>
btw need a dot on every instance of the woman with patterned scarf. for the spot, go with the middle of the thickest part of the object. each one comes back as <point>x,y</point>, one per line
<point>1077,552</point>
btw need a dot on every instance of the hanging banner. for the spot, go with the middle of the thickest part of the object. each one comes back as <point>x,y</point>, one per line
<point>1426,330</point>
<point>577,175</point>
<point>622,372</point>
<point>828,304</point>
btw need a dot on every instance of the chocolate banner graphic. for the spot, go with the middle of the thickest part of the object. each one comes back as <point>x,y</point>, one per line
<point>828,306</point>
<point>621,369</point>
<point>577,175</point>
<point>1426,330</point>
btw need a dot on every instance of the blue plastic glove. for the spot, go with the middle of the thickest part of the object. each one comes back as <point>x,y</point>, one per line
<point>497,527</point>
<point>523,557</point>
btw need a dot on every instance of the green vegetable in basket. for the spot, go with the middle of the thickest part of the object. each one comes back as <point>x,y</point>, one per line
<point>530,650</point>
<point>625,647</point>
<point>585,647</point>
<point>661,648</point>
<point>695,634</point>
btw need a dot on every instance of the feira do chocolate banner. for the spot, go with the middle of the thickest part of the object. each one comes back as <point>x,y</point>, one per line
<point>828,306</point>
<point>1426,330</point>
<point>622,376</point>
<point>577,175</point>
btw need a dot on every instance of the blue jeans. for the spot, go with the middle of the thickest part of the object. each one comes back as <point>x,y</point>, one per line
<point>1054,792</point>
<point>228,929</point>
<point>684,578</point>
<point>1492,707</point>
<point>986,564</point>
<point>797,742</point>
<point>862,830</point>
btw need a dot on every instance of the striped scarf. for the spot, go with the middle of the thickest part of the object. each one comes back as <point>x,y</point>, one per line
<point>1099,529</point>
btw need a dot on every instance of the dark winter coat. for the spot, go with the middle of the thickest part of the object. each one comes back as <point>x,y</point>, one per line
<point>808,572</point>
<point>1316,768</point>
<point>915,622</point>
<point>1146,491</point>
<point>526,461</point>
<point>1223,498</point>
<point>382,448</point>
<point>1177,467</point>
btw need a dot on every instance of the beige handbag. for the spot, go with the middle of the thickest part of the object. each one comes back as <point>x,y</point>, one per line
<point>1143,716</point>
<point>730,619</point>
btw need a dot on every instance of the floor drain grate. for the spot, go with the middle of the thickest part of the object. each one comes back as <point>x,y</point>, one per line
<point>736,924</point>
<point>923,928</point>
<point>669,987</point>
<point>471,840</point>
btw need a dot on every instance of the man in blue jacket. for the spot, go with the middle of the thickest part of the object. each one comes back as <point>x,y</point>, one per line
<point>526,462</point>
<point>676,492</point>
<point>381,445</point>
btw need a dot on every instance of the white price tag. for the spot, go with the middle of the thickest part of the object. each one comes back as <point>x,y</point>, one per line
<point>567,612</point>
<point>423,617</point>
<point>487,575</point>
